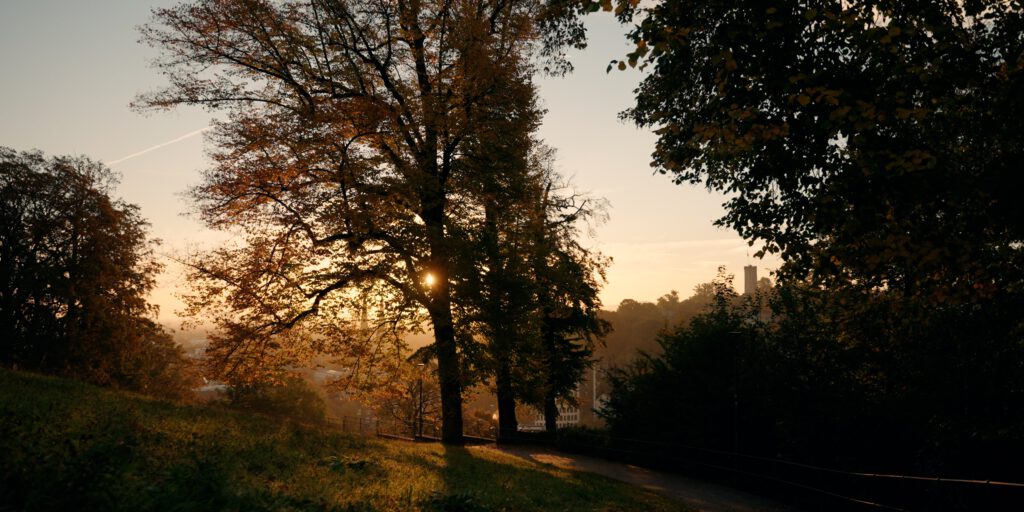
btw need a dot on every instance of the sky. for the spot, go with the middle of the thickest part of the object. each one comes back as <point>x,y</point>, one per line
<point>71,68</point>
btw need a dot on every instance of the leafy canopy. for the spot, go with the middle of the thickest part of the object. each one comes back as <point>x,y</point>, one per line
<point>345,166</point>
<point>75,268</point>
<point>872,141</point>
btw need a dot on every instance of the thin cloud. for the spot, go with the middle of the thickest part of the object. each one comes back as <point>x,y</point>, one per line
<point>158,146</point>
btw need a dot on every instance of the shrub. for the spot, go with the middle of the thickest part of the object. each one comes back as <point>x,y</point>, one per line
<point>293,398</point>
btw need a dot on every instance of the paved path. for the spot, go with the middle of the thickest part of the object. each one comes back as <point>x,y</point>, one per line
<point>696,494</point>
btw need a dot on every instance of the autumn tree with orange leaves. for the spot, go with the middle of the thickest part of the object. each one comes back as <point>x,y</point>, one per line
<point>338,167</point>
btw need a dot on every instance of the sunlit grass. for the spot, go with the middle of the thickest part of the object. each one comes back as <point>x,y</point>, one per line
<point>68,446</point>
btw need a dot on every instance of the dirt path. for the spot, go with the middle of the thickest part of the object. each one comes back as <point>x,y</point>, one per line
<point>696,494</point>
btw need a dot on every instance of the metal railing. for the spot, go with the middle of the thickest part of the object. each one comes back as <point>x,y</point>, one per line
<point>430,429</point>
<point>806,484</point>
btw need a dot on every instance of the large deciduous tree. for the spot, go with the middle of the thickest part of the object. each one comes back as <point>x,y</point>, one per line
<point>338,164</point>
<point>873,142</point>
<point>532,289</point>
<point>75,268</point>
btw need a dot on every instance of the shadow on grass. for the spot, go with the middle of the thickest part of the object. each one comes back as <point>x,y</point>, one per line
<point>479,479</point>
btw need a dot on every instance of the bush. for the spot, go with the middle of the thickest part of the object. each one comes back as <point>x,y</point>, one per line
<point>583,440</point>
<point>858,380</point>
<point>77,264</point>
<point>294,398</point>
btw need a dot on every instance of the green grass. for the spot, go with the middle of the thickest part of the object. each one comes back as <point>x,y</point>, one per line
<point>69,446</point>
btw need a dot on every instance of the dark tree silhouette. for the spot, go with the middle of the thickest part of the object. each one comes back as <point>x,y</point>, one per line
<point>75,268</point>
<point>872,142</point>
<point>568,277</point>
<point>532,290</point>
<point>875,146</point>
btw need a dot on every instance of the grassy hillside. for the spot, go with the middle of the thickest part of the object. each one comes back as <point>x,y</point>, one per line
<point>69,446</point>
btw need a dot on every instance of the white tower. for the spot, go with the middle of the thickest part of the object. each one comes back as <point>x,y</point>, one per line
<point>749,279</point>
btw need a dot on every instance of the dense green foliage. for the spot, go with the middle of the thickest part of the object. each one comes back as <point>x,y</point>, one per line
<point>68,446</point>
<point>75,268</point>
<point>813,383</point>
<point>874,142</point>
<point>875,146</point>
<point>687,392</point>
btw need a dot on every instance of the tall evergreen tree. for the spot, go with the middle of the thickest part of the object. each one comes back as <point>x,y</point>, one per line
<point>568,278</point>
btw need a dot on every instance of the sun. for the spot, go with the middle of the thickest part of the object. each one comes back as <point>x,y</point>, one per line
<point>428,279</point>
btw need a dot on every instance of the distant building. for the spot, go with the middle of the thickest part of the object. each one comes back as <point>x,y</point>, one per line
<point>749,279</point>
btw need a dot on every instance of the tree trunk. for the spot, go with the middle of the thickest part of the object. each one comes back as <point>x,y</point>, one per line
<point>440,309</point>
<point>501,342</point>
<point>551,363</point>
<point>508,425</point>
<point>550,412</point>
<point>450,381</point>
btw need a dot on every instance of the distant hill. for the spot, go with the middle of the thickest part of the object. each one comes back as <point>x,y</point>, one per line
<point>636,325</point>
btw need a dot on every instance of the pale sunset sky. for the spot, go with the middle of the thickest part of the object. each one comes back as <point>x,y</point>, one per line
<point>71,68</point>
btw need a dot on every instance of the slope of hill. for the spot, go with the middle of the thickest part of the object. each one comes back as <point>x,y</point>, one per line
<point>69,446</point>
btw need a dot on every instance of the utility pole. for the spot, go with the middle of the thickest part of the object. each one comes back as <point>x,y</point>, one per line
<point>419,403</point>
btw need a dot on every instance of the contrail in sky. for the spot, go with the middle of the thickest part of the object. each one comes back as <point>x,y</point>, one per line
<point>158,146</point>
